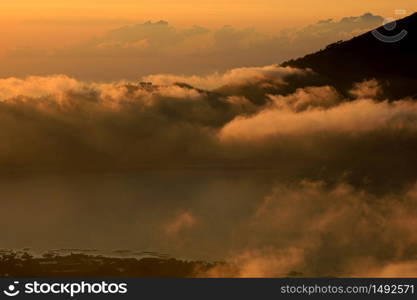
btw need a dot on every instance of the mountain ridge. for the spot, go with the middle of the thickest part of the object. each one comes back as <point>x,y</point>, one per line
<point>393,64</point>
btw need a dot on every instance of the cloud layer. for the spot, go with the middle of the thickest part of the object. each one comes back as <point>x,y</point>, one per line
<point>265,167</point>
<point>345,232</point>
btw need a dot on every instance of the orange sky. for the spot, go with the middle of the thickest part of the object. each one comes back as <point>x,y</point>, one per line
<point>191,11</point>
<point>42,20</point>
<point>61,23</point>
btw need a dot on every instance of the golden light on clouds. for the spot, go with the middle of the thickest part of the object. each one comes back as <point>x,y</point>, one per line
<point>190,128</point>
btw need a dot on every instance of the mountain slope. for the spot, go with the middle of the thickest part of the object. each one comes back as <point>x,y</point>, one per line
<point>365,57</point>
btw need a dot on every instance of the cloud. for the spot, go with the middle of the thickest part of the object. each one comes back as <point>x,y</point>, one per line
<point>149,47</point>
<point>330,30</point>
<point>367,89</point>
<point>405,269</point>
<point>38,87</point>
<point>228,40</point>
<point>183,221</point>
<point>259,114</point>
<point>344,232</point>
<point>239,76</point>
<point>359,117</point>
<point>282,174</point>
<point>268,262</point>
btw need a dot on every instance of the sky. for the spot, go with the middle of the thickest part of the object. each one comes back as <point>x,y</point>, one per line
<point>227,156</point>
<point>214,12</point>
<point>52,37</point>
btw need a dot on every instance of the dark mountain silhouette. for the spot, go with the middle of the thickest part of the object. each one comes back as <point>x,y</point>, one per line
<point>364,57</point>
<point>80,265</point>
<point>23,264</point>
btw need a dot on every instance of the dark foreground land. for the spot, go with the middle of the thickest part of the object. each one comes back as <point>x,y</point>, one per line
<point>23,264</point>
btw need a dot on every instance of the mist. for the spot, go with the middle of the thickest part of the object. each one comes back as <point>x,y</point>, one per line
<point>268,168</point>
